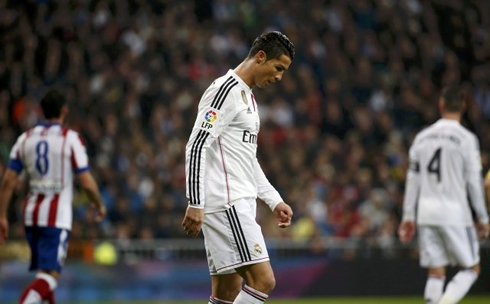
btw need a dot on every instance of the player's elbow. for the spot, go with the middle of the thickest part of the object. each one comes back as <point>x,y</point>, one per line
<point>9,180</point>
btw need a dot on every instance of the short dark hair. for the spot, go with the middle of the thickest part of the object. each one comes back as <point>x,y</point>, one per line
<point>274,44</point>
<point>454,98</point>
<point>52,103</point>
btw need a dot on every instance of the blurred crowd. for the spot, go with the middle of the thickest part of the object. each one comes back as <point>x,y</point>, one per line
<point>334,133</point>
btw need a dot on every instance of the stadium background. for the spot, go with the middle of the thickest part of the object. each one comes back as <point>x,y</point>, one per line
<point>334,134</point>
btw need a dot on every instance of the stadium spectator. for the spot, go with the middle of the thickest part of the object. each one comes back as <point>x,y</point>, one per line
<point>133,72</point>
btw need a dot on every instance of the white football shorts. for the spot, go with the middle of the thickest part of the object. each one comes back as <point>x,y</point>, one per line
<point>233,238</point>
<point>441,246</point>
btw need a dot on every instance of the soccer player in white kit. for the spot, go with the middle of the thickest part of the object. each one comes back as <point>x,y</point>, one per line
<point>51,156</point>
<point>224,177</point>
<point>445,168</point>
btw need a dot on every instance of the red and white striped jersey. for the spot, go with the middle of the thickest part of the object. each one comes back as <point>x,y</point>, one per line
<point>50,155</point>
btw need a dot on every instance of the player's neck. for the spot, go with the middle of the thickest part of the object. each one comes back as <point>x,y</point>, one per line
<point>451,116</point>
<point>245,71</point>
<point>58,121</point>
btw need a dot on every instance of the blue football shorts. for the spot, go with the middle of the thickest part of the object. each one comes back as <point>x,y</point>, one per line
<point>49,247</point>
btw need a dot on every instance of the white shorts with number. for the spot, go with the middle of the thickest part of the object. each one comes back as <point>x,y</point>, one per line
<point>233,238</point>
<point>441,246</point>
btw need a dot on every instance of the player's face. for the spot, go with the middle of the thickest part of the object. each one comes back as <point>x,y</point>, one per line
<point>270,71</point>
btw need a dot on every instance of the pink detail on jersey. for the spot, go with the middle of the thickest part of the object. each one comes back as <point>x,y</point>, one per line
<point>35,213</point>
<point>64,131</point>
<point>53,209</point>
<point>224,168</point>
<point>253,101</point>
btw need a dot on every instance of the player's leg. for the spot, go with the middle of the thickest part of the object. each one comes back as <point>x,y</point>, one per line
<point>259,283</point>
<point>434,285</point>
<point>463,245</point>
<point>233,239</point>
<point>433,256</point>
<point>48,252</point>
<point>41,289</point>
<point>225,288</point>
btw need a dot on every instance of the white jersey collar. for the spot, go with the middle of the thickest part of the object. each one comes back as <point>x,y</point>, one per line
<point>232,73</point>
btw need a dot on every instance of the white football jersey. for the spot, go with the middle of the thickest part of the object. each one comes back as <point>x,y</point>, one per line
<point>445,169</point>
<point>221,163</point>
<point>50,155</point>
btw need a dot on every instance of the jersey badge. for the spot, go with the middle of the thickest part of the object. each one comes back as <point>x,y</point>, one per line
<point>244,98</point>
<point>257,249</point>
<point>210,117</point>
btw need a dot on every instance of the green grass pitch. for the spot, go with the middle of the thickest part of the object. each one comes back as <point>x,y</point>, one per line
<point>350,300</point>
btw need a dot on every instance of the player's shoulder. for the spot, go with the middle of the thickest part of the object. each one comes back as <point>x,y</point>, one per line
<point>424,132</point>
<point>225,83</point>
<point>222,88</point>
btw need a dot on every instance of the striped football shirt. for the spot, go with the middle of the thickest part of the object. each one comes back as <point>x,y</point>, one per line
<point>221,163</point>
<point>50,155</point>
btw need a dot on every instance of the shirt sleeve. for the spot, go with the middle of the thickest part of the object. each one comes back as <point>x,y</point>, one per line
<point>474,180</point>
<point>15,162</point>
<point>412,186</point>
<point>265,191</point>
<point>216,111</point>
<point>79,157</point>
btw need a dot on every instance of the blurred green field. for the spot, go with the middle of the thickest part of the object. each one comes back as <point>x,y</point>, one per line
<point>360,300</point>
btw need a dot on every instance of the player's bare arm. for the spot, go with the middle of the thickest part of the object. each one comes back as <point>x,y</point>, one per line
<point>284,214</point>
<point>8,184</point>
<point>193,220</point>
<point>88,183</point>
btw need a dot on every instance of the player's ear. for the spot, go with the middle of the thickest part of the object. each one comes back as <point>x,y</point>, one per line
<point>260,57</point>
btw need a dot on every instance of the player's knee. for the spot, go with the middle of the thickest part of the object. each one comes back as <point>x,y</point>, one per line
<point>267,284</point>
<point>476,269</point>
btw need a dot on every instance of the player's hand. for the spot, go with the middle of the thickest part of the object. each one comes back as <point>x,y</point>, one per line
<point>100,212</point>
<point>284,214</point>
<point>4,229</point>
<point>406,231</point>
<point>483,230</point>
<point>193,219</point>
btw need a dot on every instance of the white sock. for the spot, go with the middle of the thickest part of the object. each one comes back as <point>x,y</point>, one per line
<point>433,289</point>
<point>213,300</point>
<point>459,286</point>
<point>32,298</point>
<point>248,295</point>
<point>49,279</point>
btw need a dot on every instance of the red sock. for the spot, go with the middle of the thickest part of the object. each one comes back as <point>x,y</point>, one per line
<point>50,297</point>
<point>39,286</point>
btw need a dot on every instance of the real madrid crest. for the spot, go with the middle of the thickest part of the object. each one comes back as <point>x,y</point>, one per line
<point>244,97</point>
<point>257,249</point>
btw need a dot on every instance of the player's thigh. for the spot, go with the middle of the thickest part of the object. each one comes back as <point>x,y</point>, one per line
<point>48,247</point>
<point>227,286</point>
<point>462,245</point>
<point>233,239</point>
<point>432,248</point>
